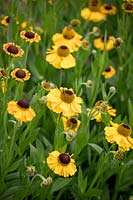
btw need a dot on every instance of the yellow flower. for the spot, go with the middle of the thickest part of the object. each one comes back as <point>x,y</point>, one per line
<point>109,72</point>
<point>68,37</point>
<point>128,7</point>
<point>61,164</point>
<point>13,50</point>
<point>21,110</point>
<point>30,36</point>
<point>71,123</point>
<point>99,108</point>
<point>93,12</point>
<point>108,9</point>
<point>5,21</point>
<point>64,101</point>
<point>101,44</point>
<point>119,134</point>
<point>20,74</point>
<point>60,57</point>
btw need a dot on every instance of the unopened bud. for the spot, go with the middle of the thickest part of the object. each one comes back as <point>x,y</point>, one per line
<point>96,31</point>
<point>85,44</point>
<point>30,170</point>
<point>118,42</point>
<point>75,22</point>
<point>47,85</point>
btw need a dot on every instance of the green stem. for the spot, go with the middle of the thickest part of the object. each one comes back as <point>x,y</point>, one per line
<point>26,55</point>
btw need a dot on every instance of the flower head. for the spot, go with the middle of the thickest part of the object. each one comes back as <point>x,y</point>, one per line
<point>93,12</point>
<point>46,85</point>
<point>13,50</point>
<point>61,164</point>
<point>99,108</point>
<point>108,9</point>
<point>5,21</point>
<point>104,43</point>
<point>127,7</point>
<point>68,37</point>
<point>20,74</point>
<point>70,123</point>
<point>30,36</point>
<point>109,72</point>
<point>119,134</point>
<point>60,57</point>
<point>64,101</point>
<point>21,110</point>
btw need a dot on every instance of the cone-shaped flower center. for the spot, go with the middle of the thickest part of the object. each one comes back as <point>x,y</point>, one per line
<point>128,6</point>
<point>108,7</point>
<point>72,123</point>
<point>12,49</point>
<point>20,73</point>
<point>8,19</point>
<point>23,103</point>
<point>63,51</point>
<point>94,5</point>
<point>108,69</point>
<point>68,32</point>
<point>67,96</point>
<point>124,129</point>
<point>64,158</point>
<point>29,34</point>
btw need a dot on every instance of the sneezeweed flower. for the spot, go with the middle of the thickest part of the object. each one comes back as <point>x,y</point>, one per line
<point>20,74</point>
<point>99,108</point>
<point>3,73</point>
<point>31,170</point>
<point>108,9</point>
<point>70,123</point>
<point>30,36</point>
<point>118,42</point>
<point>21,110</point>
<point>118,154</point>
<point>119,134</point>
<point>46,85</point>
<point>127,7</point>
<point>104,43</point>
<point>5,21</point>
<point>13,50</point>
<point>93,12</point>
<point>61,164</point>
<point>60,57</point>
<point>64,101</point>
<point>109,72</point>
<point>68,37</point>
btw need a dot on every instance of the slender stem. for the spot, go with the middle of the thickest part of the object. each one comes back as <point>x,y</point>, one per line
<point>26,55</point>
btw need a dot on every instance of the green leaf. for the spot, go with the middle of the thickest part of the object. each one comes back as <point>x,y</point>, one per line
<point>80,178</point>
<point>59,138</point>
<point>60,183</point>
<point>15,165</point>
<point>93,192</point>
<point>96,147</point>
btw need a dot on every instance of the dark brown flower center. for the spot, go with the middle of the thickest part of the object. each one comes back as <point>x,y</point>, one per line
<point>8,19</point>
<point>29,34</point>
<point>20,73</point>
<point>12,49</point>
<point>68,32</point>
<point>94,5</point>
<point>63,51</point>
<point>105,38</point>
<point>67,96</point>
<point>108,69</point>
<point>128,6</point>
<point>124,129</point>
<point>72,123</point>
<point>23,103</point>
<point>64,158</point>
<point>108,7</point>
